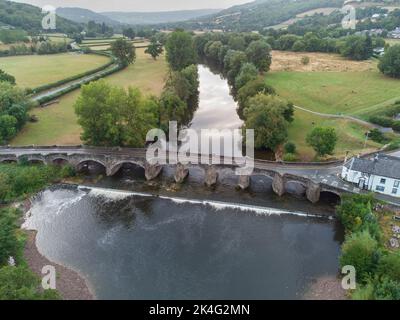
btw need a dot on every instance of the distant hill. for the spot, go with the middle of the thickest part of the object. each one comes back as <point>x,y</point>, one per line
<point>84,16</point>
<point>29,18</point>
<point>257,15</point>
<point>143,18</point>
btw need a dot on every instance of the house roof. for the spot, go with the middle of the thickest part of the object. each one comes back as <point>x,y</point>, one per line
<point>380,165</point>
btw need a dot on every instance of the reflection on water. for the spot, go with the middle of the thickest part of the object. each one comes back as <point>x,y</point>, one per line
<point>217,109</point>
<point>138,246</point>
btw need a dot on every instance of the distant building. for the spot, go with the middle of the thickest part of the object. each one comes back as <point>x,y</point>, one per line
<point>379,51</point>
<point>378,174</point>
<point>395,34</point>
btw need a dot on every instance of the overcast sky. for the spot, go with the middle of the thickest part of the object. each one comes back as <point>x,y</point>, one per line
<point>137,5</point>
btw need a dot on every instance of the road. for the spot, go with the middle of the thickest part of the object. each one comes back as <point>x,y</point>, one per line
<point>80,81</point>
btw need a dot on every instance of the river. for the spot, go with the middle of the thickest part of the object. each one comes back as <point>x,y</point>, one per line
<point>136,240</point>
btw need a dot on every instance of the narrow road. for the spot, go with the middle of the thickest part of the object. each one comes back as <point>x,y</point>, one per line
<point>80,81</point>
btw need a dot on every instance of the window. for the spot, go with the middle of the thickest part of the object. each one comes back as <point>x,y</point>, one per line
<point>380,188</point>
<point>396,183</point>
<point>383,181</point>
<point>394,191</point>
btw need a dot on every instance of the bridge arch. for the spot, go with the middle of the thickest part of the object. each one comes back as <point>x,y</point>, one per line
<point>330,196</point>
<point>91,165</point>
<point>295,187</point>
<point>60,161</point>
<point>137,167</point>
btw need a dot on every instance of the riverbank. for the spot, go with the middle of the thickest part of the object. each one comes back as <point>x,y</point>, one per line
<point>69,283</point>
<point>326,288</point>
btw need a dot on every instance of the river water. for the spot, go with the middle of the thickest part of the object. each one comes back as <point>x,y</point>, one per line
<point>163,241</point>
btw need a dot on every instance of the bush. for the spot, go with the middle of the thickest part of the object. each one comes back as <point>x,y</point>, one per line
<point>322,140</point>
<point>305,60</point>
<point>290,157</point>
<point>290,147</point>
<point>19,283</point>
<point>361,251</point>
<point>377,136</point>
<point>9,244</point>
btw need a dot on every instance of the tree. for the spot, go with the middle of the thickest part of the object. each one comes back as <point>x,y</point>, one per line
<point>265,114</point>
<point>8,237</point>
<point>110,116</point>
<point>129,33</point>
<point>259,53</point>
<point>357,48</point>
<point>8,127</point>
<point>124,51</point>
<point>248,72</point>
<point>6,77</point>
<point>154,49</point>
<point>322,140</point>
<point>180,50</point>
<point>251,88</point>
<point>233,61</point>
<point>361,251</point>
<point>389,64</point>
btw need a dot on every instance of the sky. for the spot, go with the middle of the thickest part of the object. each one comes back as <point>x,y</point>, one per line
<point>137,5</point>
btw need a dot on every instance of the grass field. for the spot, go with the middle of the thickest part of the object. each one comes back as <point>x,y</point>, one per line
<point>330,91</point>
<point>57,123</point>
<point>351,135</point>
<point>37,70</point>
<point>330,84</point>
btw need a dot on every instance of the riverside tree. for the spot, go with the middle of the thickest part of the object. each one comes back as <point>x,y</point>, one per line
<point>111,116</point>
<point>180,50</point>
<point>265,114</point>
<point>259,53</point>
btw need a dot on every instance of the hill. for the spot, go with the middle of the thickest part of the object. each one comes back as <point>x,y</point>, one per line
<point>80,15</point>
<point>29,18</point>
<point>142,18</point>
<point>257,15</point>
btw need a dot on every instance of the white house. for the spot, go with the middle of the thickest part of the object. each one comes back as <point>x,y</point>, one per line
<point>379,174</point>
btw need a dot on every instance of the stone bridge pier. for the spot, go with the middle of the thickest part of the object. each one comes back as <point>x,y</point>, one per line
<point>313,190</point>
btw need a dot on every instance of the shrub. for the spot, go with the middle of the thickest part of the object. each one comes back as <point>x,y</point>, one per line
<point>389,64</point>
<point>8,238</point>
<point>305,60</point>
<point>361,251</point>
<point>290,157</point>
<point>290,147</point>
<point>19,283</point>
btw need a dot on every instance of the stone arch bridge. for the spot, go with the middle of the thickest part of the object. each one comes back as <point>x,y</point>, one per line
<point>112,159</point>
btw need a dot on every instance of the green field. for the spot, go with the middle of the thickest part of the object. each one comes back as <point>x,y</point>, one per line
<point>350,134</point>
<point>57,123</point>
<point>37,70</point>
<point>353,93</point>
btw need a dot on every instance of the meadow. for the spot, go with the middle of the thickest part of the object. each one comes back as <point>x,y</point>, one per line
<point>330,84</point>
<point>344,91</point>
<point>351,136</point>
<point>58,124</point>
<point>36,70</point>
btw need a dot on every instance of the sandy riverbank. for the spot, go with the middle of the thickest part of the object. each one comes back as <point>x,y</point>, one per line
<point>69,283</point>
<point>326,288</point>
